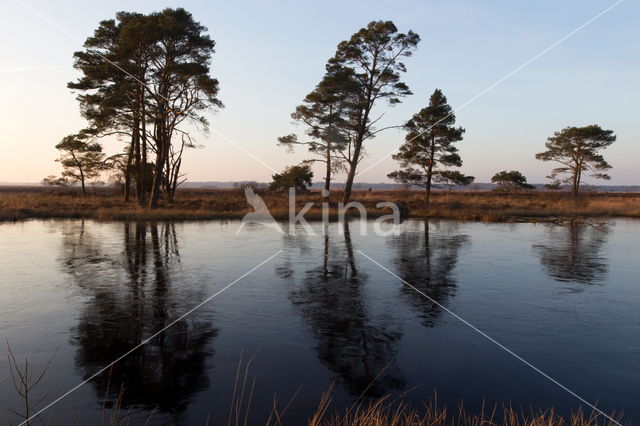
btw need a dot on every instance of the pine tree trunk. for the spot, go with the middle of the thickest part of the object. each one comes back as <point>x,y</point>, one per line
<point>157,178</point>
<point>358,142</point>
<point>174,181</point>
<point>430,171</point>
<point>159,165</point>
<point>141,145</point>
<point>125,189</point>
<point>142,172</point>
<point>156,187</point>
<point>127,170</point>
<point>138,160</point>
<point>349,184</point>
<point>327,179</point>
<point>352,173</point>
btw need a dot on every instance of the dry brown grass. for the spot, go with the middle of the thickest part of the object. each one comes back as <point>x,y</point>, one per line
<point>388,411</point>
<point>382,413</point>
<point>202,204</point>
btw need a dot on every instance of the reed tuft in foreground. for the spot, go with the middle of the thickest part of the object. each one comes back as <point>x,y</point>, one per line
<point>380,413</point>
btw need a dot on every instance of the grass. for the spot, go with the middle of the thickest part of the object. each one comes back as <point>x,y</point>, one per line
<point>203,204</point>
<point>384,411</point>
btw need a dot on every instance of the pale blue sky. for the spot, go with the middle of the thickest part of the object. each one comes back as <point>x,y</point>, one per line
<point>271,54</point>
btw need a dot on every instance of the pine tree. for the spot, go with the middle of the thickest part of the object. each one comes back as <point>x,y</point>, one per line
<point>323,113</point>
<point>577,149</point>
<point>144,76</point>
<point>429,147</point>
<point>511,181</point>
<point>373,58</point>
<point>81,159</point>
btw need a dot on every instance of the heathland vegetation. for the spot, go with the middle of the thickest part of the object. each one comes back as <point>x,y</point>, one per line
<point>146,79</point>
<point>106,203</point>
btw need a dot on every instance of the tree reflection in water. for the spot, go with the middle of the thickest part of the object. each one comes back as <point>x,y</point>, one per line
<point>132,298</point>
<point>573,252</point>
<point>358,346</point>
<point>427,260</point>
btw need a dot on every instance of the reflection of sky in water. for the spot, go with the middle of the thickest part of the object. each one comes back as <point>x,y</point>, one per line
<point>563,297</point>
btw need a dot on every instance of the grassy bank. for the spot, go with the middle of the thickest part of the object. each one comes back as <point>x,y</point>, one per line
<point>203,204</point>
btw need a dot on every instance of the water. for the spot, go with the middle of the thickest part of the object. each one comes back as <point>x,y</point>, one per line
<point>565,298</point>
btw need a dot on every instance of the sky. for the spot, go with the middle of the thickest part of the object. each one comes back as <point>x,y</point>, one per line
<point>270,54</point>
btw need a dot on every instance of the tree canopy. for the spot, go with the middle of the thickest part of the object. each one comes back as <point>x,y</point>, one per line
<point>81,159</point>
<point>453,177</point>
<point>299,177</point>
<point>511,181</point>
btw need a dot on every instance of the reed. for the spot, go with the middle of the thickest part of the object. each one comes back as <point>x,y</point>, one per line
<point>385,413</point>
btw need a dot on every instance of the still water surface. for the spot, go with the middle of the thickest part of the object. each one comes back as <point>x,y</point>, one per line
<point>565,298</point>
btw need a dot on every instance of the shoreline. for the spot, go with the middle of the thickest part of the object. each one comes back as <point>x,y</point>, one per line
<point>105,204</point>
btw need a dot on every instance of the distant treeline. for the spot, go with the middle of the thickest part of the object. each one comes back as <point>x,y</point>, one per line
<point>477,186</point>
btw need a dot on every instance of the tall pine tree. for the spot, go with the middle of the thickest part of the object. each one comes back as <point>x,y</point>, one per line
<point>373,56</point>
<point>144,76</point>
<point>429,147</point>
<point>324,114</point>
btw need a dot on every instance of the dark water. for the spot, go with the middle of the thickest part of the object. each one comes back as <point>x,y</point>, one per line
<point>565,298</point>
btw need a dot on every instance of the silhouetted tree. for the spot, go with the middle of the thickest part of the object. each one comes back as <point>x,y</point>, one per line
<point>182,87</point>
<point>577,149</point>
<point>323,112</point>
<point>511,181</point>
<point>114,66</point>
<point>298,177</point>
<point>372,58</point>
<point>156,77</point>
<point>81,159</point>
<point>429,146</point>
